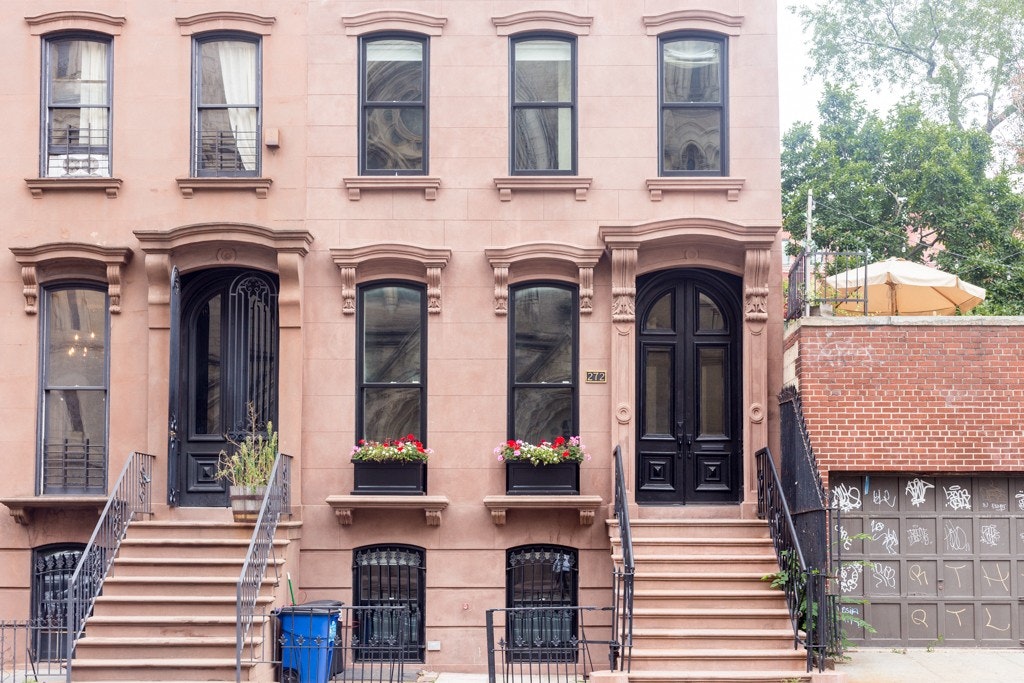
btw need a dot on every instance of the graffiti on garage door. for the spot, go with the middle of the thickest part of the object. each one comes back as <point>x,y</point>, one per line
<point>934,558</point>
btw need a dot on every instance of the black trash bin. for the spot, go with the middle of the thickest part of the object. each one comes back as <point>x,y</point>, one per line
<point>308,634</point>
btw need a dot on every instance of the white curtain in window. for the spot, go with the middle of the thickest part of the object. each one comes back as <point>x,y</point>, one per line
<point>94,92</point>
<point>238,71</point>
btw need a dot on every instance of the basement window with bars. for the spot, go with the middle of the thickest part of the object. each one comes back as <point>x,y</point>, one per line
<point>544,580</point>
<point>52,569</point>
<point>389,576</point>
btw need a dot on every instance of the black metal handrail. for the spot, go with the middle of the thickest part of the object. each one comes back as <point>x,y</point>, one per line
<point>805,587</point>
<point>622,577</point>
<point>131,496</point>
<point>276,502</point>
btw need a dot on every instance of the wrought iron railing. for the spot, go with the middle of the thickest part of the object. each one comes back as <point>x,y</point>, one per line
<point>805,587</point>
<point>622,577</point>
<point>226,152</point>
<point>20,645</point>
<point>76,151</point>
<point>276,502</point>
<point>131,496</point>
<point>74,467</point>
<point>829,278</point>
<point>545,643</point>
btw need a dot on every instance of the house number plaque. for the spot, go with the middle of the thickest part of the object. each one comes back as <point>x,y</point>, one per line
<point>597,376</point>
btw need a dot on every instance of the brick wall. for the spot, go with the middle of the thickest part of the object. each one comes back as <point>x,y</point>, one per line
<point>919,395</point>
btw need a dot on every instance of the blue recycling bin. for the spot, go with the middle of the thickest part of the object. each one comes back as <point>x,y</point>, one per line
<point>307,641</point>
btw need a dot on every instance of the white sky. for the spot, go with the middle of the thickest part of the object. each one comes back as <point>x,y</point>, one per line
<point>798,101</point>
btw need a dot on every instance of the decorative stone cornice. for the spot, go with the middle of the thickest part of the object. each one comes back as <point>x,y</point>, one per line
<point>574,184</point>
<point>344,506</point>
<point>55,260</point>
<point>393,20</point>
<point>393,257</point>
<point>690,19</point>
<point>75,20</point>
<point>356,184</point>
<point>225,21</point>
<point>188,186</point>
<point>542,20</point>
<point>562,256</point>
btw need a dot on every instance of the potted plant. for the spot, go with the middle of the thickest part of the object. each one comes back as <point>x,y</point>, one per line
<point>393,466</point>
<point>248,469</point>
<point>550,467</point>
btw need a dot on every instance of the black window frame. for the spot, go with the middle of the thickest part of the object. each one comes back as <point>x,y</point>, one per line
<point>196,168</point>
<point>541,560</point>
<point>45,388</point>
<point>367,645</point>
<point>722,105</point>
<point>573,384</point>
<point>362,385</point>
<point>49,616</point>
<point>572,104</point>
<point>365,106</point>
<point>46,143</point>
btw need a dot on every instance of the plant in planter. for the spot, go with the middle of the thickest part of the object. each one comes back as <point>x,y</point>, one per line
<point>550,467</point>
<point>248,468</point>
<point>393,466</point>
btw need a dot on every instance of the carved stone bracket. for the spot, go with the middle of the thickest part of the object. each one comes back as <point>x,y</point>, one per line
<point>22,507</point>
<point>575,184</point>
<point>624,284</point>
<point>344,506</point>
<point>427,263</point>
<point>500,505</point>
<point>356,185</point>
<point>730,186</point>
<point>109,186</point>
<point>755,290</point>
<point>570,261</point>
<point>71,260</point>
<point>188,186</point>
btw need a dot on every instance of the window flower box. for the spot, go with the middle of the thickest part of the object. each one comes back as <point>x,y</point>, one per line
<point>392,467</point>
<point>549,468</point>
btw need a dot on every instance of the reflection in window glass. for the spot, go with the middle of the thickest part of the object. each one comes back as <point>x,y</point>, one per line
<point>226,127</point>
<point>77,107</point>
<point>709,315</point>
<point>543,105</point>
<point>692,105</point>
<point>658,391</point>
<point>394,111</point>
<point>660,316</point>
<point>712,391</point>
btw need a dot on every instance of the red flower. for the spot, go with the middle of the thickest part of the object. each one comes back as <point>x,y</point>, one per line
<point>511,443</point>
<point>565,454</point>
<point>559,441</point>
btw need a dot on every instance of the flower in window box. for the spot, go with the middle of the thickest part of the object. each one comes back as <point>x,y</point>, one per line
<point>404,449</point>
<point>559,450</point>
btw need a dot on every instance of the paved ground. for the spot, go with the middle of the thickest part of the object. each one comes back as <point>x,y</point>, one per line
<point>889,665</point>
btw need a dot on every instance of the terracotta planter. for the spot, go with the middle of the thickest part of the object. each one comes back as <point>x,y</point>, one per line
<point>524,479</point>
<point>390,478</point>
<point>246,502</point>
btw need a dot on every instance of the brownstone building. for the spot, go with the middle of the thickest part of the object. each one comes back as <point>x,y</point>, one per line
<point>471,221</point>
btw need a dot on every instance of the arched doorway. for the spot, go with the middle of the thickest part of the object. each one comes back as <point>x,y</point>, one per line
<point>689,388</point>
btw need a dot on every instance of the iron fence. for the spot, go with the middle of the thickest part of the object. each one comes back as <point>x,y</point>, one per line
<point>131,496</point>
<point>79,468</point>
<point>828,278</point>
<point>20,643</point>
<point>276,502</point>
<point>550,644</point>
<point>622,576</point>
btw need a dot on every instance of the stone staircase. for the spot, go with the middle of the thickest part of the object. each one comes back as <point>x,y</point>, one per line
<point>167,612</point>
<point>701,610</point>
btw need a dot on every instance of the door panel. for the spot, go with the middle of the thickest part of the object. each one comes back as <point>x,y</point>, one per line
<point>689,447</point>
<point>228,367</point>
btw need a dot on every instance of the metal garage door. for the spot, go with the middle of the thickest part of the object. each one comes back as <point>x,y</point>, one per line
<point>938,563</point>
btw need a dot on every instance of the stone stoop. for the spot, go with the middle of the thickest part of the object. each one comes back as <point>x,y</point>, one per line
<point>167,612</point>
<point>700,609</point>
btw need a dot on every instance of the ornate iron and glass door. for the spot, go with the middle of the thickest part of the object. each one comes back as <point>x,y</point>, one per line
<point>688,388</point>
<point>228,350</point>
<point>385,577</point>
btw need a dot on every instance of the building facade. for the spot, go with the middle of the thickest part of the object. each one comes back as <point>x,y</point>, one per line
<point>470,221</point>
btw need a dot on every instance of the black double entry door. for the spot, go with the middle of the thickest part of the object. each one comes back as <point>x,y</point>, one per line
<point>689,392</point>
<point>223,371</point>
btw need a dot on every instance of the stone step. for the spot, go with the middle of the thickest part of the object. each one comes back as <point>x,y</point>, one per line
<point>701,580</point>
<point>706,638</point>
<point>167,669</point>
<point>163,566</point>
<point>712,618</point>
<point>183,586</point>
<point>157,647</point>
<point>695,599</point>
<point>172,605</point>
<point>718,676</point>
<point>187,548</point>
<point>701,528</point>
<point>189,530</point>
<point>689,546</point>
<point>164,625</point>
<point>765,563</point>
<point>663,659</point>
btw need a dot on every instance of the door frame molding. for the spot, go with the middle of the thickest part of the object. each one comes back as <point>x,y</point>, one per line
<point>211,245</point>
<point>741,248</point>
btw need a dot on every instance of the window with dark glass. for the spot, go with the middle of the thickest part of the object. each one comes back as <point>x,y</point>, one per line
<point>226,106</point>
<point>76,93</point>
<point>393,105</point>
<point>391,361</point>
<point>543,400</point>
<point>74,391</point>
<point>52,569</point>
<point>543,105</point>
<point>693,127</point>
<point>541,590</point>
<point>389,584</point>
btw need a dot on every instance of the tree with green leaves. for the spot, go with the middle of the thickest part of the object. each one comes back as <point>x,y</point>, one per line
<point>910,187</point>
<point>958,57</point>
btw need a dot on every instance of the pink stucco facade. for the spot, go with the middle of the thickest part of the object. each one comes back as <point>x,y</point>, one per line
<point>467,229</point>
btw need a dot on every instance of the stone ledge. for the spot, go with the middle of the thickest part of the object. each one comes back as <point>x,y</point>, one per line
<point>499,506</point>
<point>344,506</point>
<point>22,507</point>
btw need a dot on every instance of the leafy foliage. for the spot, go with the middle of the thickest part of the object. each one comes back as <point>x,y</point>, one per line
<point>404,449</point>
<point>907,186</point>
<point>546,453</point>
<point>252,461</point>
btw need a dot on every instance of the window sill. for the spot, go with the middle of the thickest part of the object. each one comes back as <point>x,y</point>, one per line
<point>356,185</point>
<point>731,186</point>
<point>499,506</point>
<point>22,507</point>
<point>39,185</point>
<point>188,186</point>
<point>520,183</point>
<point>344,506</point>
